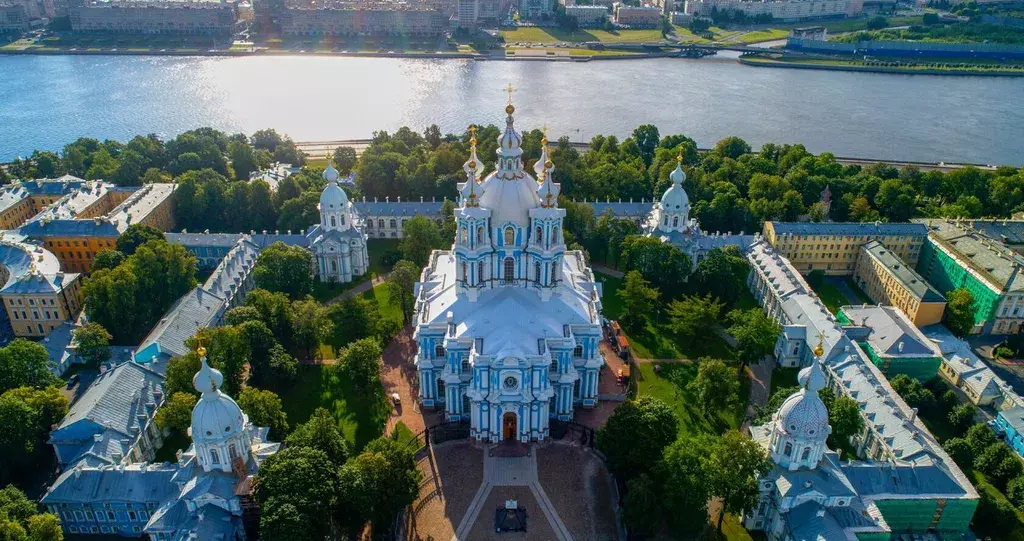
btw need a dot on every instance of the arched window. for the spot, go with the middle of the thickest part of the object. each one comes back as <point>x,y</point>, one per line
<point>510,235</point>
<point>554,235</point>
<point>554,271</point>
<point>380,223</point>
<point>479,233</point>
<point>394,223</point>
<point>342,219</point>
<point>464,234</point>
<point>465,276</point>
<point>214,458</point>
<point>540,235</point>
<point>806,454</point>
<point>334,266</point>
<point>788,450</point>
<point>666,220</point>
<point>480,271</point>
<point>439,351</point>
<point>536,270</point>
<point>675,221</point>
<point>510,269</point>
<point>233,451</point>
<point>333,222</point>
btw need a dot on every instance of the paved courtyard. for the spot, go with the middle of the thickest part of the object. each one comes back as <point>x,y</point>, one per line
<point>565,489</point>
<point>399,376</point>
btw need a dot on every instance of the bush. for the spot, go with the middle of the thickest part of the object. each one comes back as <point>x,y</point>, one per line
<point>960,451</point>
<point>877,22</point>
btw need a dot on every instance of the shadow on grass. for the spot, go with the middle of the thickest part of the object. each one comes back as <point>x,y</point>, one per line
<point>669,384</point>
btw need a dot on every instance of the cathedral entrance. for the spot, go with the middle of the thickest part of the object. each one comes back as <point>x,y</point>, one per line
<point>508,426</point>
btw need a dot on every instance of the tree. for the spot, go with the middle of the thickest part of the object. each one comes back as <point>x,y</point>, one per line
<point>662,264</point>
<point>321,432</point>
<point>694,316</point>
<point>92,342</point>
<point>307,480</point>
<point>994,517</point>
<point>26,416</point>
<point>400,282</point>
<point>1015,491</point>
<point>638,299</point>
<point>25,364</point>
<point>733,469</point>
<point>980,437</point>
<point>45,527</point>
<point>685,483</point>
<point>960,451</point>
<point>176,413</point>
<point>345,159</point>
<point>136,235</point>
<point>283,366</point>
<point>107,259</point>
<point>755,334</point>
<point>265,140</point>
<point>845,419</point>
<point>916,394</point>
<point>961,417</point>
<point>243,159</point>
<point>311,326</point>
<point>636,434</point>
<point>20,521</point>
<point>275,312</point>
<point>264,409</point>
<point>716,385</point>
<point>353,318</point>
<point>877,22</point>
<point>387,474</point>
<point>641,508</point>
<point>287,269</point>
<point>360,362</point>
<point>647,138</point>
<point>227,351</point>
<point>282,520</point>
<point>732,147</point>
<point>419,237</point>
<point>960,311</point>
<point>179,373</point>
<point>241,314</point>
<point>722,274</point>
<point>999,463</point>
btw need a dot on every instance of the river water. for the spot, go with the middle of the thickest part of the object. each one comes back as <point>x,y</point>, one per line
<point>48,101</point>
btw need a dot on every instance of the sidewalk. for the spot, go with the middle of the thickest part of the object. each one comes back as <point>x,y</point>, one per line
<point>359,289</point>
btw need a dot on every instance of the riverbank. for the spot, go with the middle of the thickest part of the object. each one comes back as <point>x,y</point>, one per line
<point>830,64</point>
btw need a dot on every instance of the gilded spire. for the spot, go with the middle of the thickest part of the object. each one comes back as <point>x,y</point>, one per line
<point>510,108</point>
<point>819,350</point>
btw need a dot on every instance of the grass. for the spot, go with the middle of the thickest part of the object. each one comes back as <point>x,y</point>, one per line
<point>536,34</point>
<point>376,248</point>
<point>985,487</point>
<point>758,36</point>
<point>965,65</point>
<point>360,415</point>
<point>783,377</point>
<point>380,296</point>
<point>829,293</point>
<point>325,291</point>
<point>669,385</point>
<point>172,443</point>
<point>404,435</point>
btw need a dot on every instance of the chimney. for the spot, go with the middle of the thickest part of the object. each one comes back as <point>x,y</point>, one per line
<point>913,414</point>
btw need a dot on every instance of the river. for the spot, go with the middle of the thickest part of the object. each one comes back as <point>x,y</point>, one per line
<point>48,101</point>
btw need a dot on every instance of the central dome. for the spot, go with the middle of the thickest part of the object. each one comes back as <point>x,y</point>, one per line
<point>510,200</point>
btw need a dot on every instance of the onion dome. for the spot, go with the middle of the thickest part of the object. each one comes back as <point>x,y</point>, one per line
<point>547,190</point>
<point>470,192</point>
<point>510,142</point>
<point>216,416</point>
<point>675,198</point>
<point>803,415</point>
<point>812,377</point>
<point>333,197</point>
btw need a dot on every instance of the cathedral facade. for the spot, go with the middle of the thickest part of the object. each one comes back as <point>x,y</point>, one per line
<point>338,242</point>
<point>508,320</point>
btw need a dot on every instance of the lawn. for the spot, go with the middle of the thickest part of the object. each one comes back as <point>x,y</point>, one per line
<point>380,296</point>
<point>360,415</point>
<point>669,385</point>
<point>325,291</point>
<point>985,487</point>
<point>536,34</point>
<point>376,248</point>
<point>830,294</point>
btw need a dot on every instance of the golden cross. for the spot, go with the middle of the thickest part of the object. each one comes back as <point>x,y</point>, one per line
<point>472,134</point>
<point>510,90</point>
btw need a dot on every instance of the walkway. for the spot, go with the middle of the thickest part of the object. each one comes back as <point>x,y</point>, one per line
<point>608,270</point>
<point>511,472</point>
<point>359,289</point>
<point>760,388</point>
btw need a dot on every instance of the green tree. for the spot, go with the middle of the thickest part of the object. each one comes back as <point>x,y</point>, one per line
<point>241,314</point>
<point>304,478</point>
<point>176,413</point>
<point>20,521</point>
<point>994,517</point>
<point>228,352</point>
<point>321,432</point>
<point>694,316</point>
<point>136,235</point>
<point>1015,491</point>
<point>636,434</point>
<point>92,343</point>
<point>387,474</point>
<point>755,333</point>
<point>283,366</point>
<point>179,373</point>
<point>400,282</point>
<point>638,299</point>
<point>243,159</point>
<point>275,312</point>
<point>312,327</point>
<point>685,484</point>
<point>419,237</point>
<point>353,318</point>
<point>915,394</point>
<point>107,259</point>
<point>960,451</point>
<point>877,22</point>
<point>961,417</point>
<point>280,519</point>
<point>45,527</point>
<point>716,385</point>
<point>299,213</point>
<point>732,147</point>
<point>722,274</point>
<point>360,362</point>
<point>999,463</point>
<point>845,419</point>
<point>259,342</point>
<point>980,437</point>
<point>287,269</point>
<point>647,139</point>
<point>662,264</point>
<point>26,416</point>
<point>345,159</point>
<point>264,408</point>
<point>733,469</point>
<point>960,311</point>
<point>25,364</point>
<point>642,506</point>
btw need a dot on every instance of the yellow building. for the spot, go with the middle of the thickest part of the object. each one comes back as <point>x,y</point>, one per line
<point>833,248</point>
<point>36,295</point>
<point>888,280</point>
<point>77,241</point>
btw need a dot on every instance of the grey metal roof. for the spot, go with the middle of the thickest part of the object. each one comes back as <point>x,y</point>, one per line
<point>116,397</point>
<point>1005,231</point>
<point>883,480</point>
<point>92,227</point>
<point>20,257</point>
<point>219,240</point>
<point>622,208</point>
<point>996,263</point>
<point>195,310</point>
<point>1014,417</point>
<point>233,270</point>
<point>33,283</point>
<point>827,478</point>
<point>907,276</point>
<point>811,522</point>
<point>135,483</point>
<point>398,208</point>
<point>850,228</point>
<point>891,333</point>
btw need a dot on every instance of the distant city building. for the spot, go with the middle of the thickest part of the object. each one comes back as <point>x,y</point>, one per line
<point>637,16</point>
<point>37,296</point>
<point>588,16</point>
<point>360,18</point>
<point>780,10</point>
<point>338,242</point>
<point>507,322</point>
<point>834,247</point>
<point>886,279</point>
<point>670,221</point>
<point>473,13</point>
<point>891,341</point>
<point>13,18</point>
<point>958,256</point>
<point>536,9</point>
<point>178,17</point>
<point>115,489</point>
<point>274,174</point>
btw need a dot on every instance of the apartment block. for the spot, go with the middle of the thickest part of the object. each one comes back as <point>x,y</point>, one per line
<point>888,280</point>
<point>833,248</point>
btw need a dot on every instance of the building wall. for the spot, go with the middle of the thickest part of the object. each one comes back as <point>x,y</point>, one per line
<point>1013,438</point>
<point>36,315</point>
<point>924,515</point>
<point>207,18</point>
<point>837,255</point>
<point>389,226</point>
<point>16,214</point>
<point>946,273</point>
<point>784,10</point>
<point>352,22</point>
<point>879,284</point>
<point>123,519</point>
<point>76,254</point>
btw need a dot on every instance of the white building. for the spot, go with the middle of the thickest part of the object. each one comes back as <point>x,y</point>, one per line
<point>780,10</point>
<point>587,16</point>
<point>338,241</point>
<point>508,320</point>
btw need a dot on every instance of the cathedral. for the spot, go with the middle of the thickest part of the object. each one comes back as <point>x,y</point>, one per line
<point>508,320</point>
<point>338,242</point>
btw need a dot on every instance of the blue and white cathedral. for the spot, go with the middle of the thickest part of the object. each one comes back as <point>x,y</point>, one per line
<point>508,320</point>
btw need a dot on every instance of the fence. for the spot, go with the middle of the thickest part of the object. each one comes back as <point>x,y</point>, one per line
<point>908,48</point>
<point>571,431</point>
